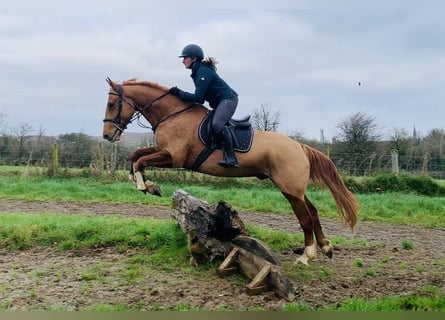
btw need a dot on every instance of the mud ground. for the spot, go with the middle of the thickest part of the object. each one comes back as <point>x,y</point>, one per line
<point>42,279</point>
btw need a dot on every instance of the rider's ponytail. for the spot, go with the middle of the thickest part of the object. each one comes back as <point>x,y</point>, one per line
<point>210,61</point>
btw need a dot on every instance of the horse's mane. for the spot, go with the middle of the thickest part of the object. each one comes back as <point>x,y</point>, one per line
<point>135,81</point>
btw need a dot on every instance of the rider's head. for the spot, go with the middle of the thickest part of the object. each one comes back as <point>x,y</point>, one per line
<point>190,54</point>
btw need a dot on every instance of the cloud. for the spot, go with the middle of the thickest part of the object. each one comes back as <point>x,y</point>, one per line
<point>305,60</point>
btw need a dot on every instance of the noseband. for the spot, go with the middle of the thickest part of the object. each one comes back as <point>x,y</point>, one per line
<point>117,121</point>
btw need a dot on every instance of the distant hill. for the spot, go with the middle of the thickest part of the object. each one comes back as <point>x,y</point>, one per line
<point>137,138</point>
<point>133,138</point>
<point>128,138</point>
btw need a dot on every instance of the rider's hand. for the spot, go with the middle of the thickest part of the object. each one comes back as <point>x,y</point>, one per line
<point>174,91</point>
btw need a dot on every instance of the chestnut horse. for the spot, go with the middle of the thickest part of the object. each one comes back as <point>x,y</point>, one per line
<point>288,163</point>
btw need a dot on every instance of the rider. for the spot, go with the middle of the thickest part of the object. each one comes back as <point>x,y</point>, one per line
<point>210,87</point>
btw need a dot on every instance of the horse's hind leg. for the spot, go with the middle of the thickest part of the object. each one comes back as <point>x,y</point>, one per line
<point>323,242</point>
<point>303,214</point>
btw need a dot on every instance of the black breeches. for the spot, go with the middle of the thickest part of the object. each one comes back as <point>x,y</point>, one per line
<point>225,110</point>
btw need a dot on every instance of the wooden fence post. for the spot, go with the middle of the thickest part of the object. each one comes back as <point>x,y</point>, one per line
<point>100,159</point>
<point>113,160</point>
<point>54,160</point>
<point>395,161</point>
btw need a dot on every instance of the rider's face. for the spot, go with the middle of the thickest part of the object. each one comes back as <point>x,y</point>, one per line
<point>188,61</point>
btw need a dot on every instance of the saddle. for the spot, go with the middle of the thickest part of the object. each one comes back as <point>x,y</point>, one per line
<point>240,129</point>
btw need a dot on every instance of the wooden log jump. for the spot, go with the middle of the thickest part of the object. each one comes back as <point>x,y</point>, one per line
<point>217,232</point>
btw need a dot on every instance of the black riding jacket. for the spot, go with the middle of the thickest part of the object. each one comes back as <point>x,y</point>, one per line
<point>208,86</point>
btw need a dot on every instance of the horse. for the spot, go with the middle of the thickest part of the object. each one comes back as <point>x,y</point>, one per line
<point>289,164</point>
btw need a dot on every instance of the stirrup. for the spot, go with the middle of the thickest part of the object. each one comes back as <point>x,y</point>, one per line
<point>228,164</point>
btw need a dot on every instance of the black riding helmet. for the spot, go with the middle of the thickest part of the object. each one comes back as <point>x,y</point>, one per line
<point>192,50</point>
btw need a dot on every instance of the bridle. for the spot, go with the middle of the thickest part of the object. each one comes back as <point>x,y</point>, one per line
<point>117,121</point>
<point>121,126</point>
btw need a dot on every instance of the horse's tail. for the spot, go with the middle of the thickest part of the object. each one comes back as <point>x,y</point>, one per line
<point>323,170</point>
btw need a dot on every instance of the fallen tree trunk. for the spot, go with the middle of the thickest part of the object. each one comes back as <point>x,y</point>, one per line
<point>217,232</point>
<point>209,228</point>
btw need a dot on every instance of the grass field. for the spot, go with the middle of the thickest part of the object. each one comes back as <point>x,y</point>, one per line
<point>168,247</point>
<point>245,194</point>
<point>21,231</point>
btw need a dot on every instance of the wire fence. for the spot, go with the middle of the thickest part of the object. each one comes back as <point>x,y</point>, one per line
<point>105,157</point>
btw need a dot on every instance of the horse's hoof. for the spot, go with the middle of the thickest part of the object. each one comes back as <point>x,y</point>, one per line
<point>329,254</point>
<point>328,250</point>
<point>154,190</point>
<point>303,259</point>
<point>157,192</point>
<point>299,250</point>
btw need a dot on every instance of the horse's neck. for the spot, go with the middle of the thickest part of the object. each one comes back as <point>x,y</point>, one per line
<point>154,105</point>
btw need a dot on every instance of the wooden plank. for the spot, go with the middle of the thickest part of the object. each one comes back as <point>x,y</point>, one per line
<point>256,290</point>
<point>227,271</point>
<point>258,284</point>
<point>251,265</point>
<point>225,268</point>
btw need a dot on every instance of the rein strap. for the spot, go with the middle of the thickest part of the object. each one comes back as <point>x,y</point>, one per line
<point>173,115</point>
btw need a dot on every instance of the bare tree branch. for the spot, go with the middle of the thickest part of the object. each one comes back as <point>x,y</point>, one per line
<point>264,119</point>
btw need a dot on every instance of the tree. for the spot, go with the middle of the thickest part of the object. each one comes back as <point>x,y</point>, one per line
<point>75,150</point>
<point>264,119</point>
<point>42,147</point>
<point>435,141</point>
<point>23,132</point>
<point>433,150</point>
<point>357,145</point>
<point>399,140</point>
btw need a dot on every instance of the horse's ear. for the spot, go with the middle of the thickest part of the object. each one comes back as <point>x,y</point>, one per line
<point>112,84</point>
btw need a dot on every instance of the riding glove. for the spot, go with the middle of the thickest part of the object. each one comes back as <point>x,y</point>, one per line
<point>175,91</point>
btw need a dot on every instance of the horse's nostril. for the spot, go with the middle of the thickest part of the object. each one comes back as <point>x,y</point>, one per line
<point>106,136</point>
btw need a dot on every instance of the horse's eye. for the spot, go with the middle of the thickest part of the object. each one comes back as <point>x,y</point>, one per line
<point>110,105</point>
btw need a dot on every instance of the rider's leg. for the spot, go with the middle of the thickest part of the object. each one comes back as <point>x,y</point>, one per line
<point>223,112</point>
<point>229,159</point>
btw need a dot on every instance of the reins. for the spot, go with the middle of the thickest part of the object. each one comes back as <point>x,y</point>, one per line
<point>173,115</point>
<point>139,111</point>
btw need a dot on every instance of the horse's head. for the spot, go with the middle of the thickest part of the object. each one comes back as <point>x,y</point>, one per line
<point>118,113</point>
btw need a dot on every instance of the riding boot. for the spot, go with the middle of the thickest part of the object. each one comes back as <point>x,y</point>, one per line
<point>229,159</point>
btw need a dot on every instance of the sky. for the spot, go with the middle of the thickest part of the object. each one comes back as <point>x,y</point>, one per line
<point>315,63</point>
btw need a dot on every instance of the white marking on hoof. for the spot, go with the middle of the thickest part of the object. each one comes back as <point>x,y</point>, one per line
<point>303,259</point>
<point>140,185</point>
<point>310,253</point>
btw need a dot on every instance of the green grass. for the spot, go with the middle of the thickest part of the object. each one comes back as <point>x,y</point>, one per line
<point>428,298</point>
<point>19,231</point>
<point>166,245</point>
<point>22,231</point>
<point>165,248</point>
<point>244,195</point>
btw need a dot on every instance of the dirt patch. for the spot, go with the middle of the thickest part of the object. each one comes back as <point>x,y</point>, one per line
<point>39,278</point>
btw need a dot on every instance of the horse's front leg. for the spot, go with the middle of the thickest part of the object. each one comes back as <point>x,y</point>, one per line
<point>146,157</point>
<point>139,179</point>
<point>137,173</point>
<point>136,176</point>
